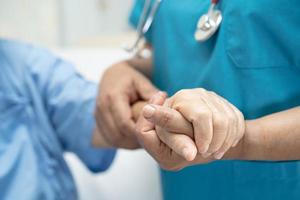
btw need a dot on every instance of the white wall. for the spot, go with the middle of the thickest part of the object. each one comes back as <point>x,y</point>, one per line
<point>30,20</point>
<point>85,19</point>
<point>63,22</point>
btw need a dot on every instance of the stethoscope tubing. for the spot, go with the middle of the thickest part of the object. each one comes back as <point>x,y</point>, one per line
<point>146,20</point>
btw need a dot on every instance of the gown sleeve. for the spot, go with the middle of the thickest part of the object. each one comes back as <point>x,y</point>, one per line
<point>69,100</point>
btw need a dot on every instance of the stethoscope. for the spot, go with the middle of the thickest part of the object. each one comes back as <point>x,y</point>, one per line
<point>207,24</point>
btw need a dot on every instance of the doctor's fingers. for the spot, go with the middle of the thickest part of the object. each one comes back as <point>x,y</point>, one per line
<point>199,114</point>
<point>143,125</point>
<point>169,119</point>
<point>235,128</point>
<point>146,132</point>
<point>181,144</point>
<point>223,123</point>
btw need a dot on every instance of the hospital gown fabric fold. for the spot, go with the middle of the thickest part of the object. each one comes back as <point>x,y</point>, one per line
<point>46,109</point>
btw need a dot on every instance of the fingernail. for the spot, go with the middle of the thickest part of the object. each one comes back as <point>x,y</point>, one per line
<point>219,155</point>
<point>148,111</point>
<point>188,154</point>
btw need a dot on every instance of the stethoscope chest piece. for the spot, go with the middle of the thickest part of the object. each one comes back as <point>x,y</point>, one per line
<point>208,24</point>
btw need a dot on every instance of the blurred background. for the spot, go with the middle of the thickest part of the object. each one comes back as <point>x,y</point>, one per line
<point>90,34</point>
<point>65,23</point>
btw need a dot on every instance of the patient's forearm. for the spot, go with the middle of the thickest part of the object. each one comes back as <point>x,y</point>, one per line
<point>275,138</point>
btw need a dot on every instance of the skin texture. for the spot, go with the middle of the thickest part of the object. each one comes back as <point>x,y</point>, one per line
<point>121,86</point>
<point>217,124</point>
<point>274,137</point>
<point>162,153</point>
<point>98,138</point>
<point>175,140</point>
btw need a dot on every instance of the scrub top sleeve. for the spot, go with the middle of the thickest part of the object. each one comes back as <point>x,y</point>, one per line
<point>135,16</point>
<point>70,101</point>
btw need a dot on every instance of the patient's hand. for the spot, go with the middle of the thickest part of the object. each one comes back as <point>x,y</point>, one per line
<point>137,109</point>
<point>121,86</point>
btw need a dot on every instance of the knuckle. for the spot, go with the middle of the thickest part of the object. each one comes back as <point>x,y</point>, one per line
<point>183,92</point>
<point>178,105</point>
<point>232,118</point>
<point>206,114</point>
<point>201,90</point>
<point>164,121</point>
<point>212,93</point>
<point>221,122</point>
<point>199,115</point>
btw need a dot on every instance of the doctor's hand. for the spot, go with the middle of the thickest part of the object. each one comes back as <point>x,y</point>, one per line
<point>121,87</point>
<point>217,124</point>
<point>173,151</point>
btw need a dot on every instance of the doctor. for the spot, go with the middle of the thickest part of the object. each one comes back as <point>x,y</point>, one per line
<point>252,61</point>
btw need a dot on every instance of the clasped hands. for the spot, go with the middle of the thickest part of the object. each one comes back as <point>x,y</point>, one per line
<point>192,127</point>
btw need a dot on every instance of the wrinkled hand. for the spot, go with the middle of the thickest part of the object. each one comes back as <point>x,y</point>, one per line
<point>217,125</point>
<point>171,150</point>
<point>121,86</point>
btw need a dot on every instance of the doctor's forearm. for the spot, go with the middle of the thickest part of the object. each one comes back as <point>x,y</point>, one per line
<point>275,137</point>
<point>143,65</point>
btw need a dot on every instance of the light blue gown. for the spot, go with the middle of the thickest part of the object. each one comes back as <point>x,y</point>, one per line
<point>254,62</point>
<point>46,109</point>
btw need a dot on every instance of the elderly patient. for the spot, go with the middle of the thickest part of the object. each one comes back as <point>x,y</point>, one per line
<point>46,109</point>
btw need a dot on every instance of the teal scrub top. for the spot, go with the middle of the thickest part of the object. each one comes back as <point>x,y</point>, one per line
<point>254,62</point>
